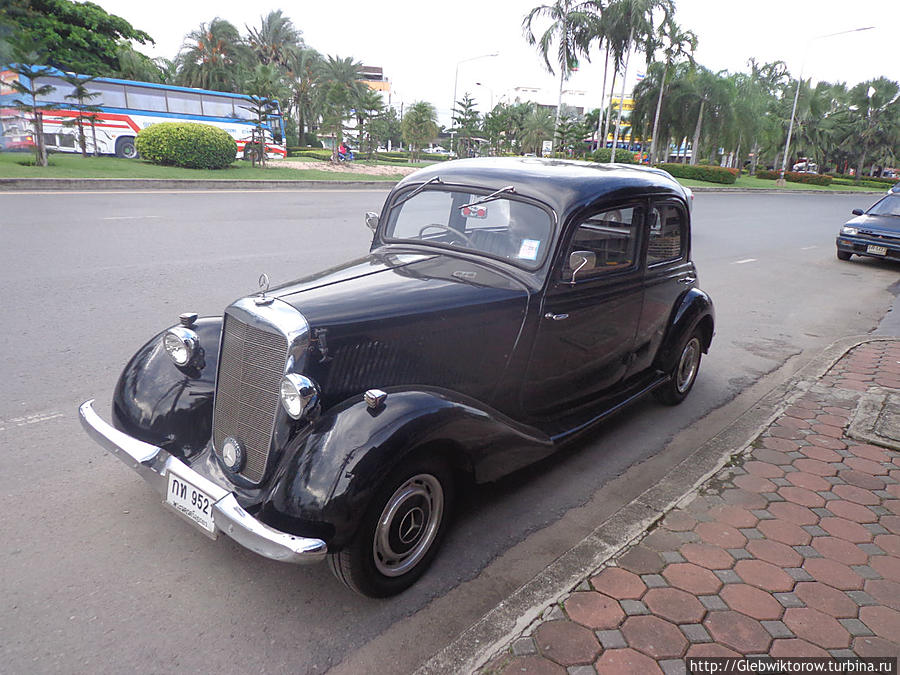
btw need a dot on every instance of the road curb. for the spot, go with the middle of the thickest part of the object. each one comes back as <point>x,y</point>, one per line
<point>476,645</point>
<point>115,184</point>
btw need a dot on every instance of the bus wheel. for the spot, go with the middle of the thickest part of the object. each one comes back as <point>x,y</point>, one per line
<point>125,148</point>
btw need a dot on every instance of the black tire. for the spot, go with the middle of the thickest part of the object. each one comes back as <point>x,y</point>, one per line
<point>684,374</point>
<point>401,532</point>
<point>843,255</point>
<point>126,148</point>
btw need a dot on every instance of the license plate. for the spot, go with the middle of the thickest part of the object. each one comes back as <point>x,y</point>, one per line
<point>876,250</point>
<point>191,502</point>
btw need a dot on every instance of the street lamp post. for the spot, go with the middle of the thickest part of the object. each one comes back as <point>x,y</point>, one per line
<point>456,81</point>
<point>787,145</point>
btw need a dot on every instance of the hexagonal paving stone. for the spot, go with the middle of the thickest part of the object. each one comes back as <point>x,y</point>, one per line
<point>846,529</point>
<point>710,650</point>
<point>675,605</point>
<point>753,602</point>
<point>566,642</point>
<point>775,552</point>
<point>834,574</point>
<point>826,442</point>
<point>708,556</point>
<point>861,480</point>
<point>850,511</point>
<point>533,665</point>
<point>720,534</point>
<point>883,621</point>
<point>889,543</point>
<point>779,444</point>
<point>809,481</point>
<point>641,560</point>
<point>840,550</point>
<point>764,575</point>
<point>618,583</point>
<point>627,662</point>
<point>754,484</point>
<point>865,466</point>
<point>785,532</point>
<point>594,610</point>
<point>868,646</point>
<point>762,469</point>
<point>654,637</point>
<point>816,627</point>
<point>748,500</point>
<point>795,648</point>
<point>734,516</point>
<point>692,578</point>
<point>737,631</point>
<point>802,496</point>
<point>887,566</point>
<point>855,494</point>
<point>885,591</point>
<point>793,513</point>
<point>820,455</point>
<point>826,599</point>
<point>871,452</point>
<point>679,521</point>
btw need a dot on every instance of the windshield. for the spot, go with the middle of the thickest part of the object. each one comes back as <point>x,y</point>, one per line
<point>889,206</point>
<point>502,228</point>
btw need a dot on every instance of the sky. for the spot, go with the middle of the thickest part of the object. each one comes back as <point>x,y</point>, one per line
<point>425,47</point>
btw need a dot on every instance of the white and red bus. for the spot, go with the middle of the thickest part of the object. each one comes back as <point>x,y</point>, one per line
<point>126,107</point>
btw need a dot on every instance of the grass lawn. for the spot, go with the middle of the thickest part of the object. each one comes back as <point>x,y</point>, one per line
<point>752,182</point>
<point>76,166</point>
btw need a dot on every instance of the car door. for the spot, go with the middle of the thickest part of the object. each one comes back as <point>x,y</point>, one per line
<point>584,339</point>
<point>669,274</point>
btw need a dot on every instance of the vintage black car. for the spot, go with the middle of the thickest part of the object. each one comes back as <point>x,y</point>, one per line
<point>505,307</point>
<point>874,233</point>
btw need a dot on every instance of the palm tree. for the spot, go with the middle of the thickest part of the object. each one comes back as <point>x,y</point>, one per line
<point>675,43</point>
<point>876,118</point>
<point>369,105</point>
<point>419,126</point>
<point>538,127</point>
<point>276,41</point>
<point>304,70</point>
<point>339,81</point>
<point>213,57</point>
<point>574,24</point>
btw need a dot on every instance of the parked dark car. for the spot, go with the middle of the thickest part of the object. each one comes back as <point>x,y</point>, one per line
<point>506,306</point>
<point>874,233</point>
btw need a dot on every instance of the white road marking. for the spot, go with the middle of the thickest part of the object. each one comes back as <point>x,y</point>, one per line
<point>29,419</point>
<point>808,248</point>
<point>128,217</point>
<point>746,260</point>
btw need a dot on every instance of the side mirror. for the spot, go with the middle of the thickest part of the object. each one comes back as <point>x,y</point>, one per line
<point>581,260</point>
<point>857,212</point>
<point>371,220</point>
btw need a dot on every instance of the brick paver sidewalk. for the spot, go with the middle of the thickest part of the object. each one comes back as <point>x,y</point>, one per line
<point>791,550</point>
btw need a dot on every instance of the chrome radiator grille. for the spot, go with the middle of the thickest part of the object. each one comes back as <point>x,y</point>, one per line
<point>251,365</point>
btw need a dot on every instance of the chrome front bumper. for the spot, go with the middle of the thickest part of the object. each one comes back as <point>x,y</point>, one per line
<point>153,464</point>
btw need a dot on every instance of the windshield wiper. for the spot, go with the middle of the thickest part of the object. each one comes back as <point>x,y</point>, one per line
<point>436,179</point>
<point>488,198</point>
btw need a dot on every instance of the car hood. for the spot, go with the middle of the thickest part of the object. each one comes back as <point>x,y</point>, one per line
<point>866,224</point>
<point>394,319</point>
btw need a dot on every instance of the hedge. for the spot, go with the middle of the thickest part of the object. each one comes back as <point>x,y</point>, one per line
<point>186,144</point>
<point>867,179</point>
<point>794,177</point>
<point>604,155</point>
<point>710,174</point>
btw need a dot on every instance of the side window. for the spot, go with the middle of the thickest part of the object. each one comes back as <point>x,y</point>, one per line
<point>609,240</point>
<point>667,234</point>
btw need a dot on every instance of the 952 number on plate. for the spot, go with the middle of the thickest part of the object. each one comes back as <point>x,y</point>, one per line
<point>191,502</point>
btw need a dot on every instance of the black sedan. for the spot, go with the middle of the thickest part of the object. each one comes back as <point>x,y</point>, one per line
<point>874,233</point>
<point>506,307</point>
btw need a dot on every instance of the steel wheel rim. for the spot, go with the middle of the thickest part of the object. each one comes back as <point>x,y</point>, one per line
<point>687,365</point>
<point>408,525</point>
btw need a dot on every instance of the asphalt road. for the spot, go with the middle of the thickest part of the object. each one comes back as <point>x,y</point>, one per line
<point>98,577</point>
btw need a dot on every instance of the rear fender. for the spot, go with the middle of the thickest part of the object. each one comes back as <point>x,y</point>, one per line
<point>332,472</point>
<point>694,309</point>
<point>168,405</point>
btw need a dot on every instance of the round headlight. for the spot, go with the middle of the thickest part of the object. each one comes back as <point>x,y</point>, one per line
<point>180,344</point>
<point>298,395</point>
<point>846,229</point>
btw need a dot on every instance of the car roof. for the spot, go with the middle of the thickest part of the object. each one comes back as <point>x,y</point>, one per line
<point>564,185</point>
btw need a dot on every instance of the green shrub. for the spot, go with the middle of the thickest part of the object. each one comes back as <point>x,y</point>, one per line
<point>311,153</point>
<point>187,144</point>
<point>603,155</point>
<point>710,174</point>
<point>855,180</point>
<point>793,177</point>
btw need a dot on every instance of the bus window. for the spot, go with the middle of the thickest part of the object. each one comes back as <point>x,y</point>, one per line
<point>111,95</point>
<point>185,103</point>
<point>60,89</point>
<point>244,110</point>
<point>218,106</point>
<point>146,98</point>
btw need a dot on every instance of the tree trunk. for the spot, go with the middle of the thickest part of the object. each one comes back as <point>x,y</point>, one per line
<point>608,112</point>
<point>662,87</point>
<point>562,79</point>
<point>696,143</point>
<point>602,102</point>
<point>94,134</point>
<point>39,137</point>
<point>612,155</point>
<point>81,140</point>
<point>755,161</point>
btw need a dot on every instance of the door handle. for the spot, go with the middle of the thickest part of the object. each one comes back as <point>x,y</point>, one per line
<point>687,280</point>
<point>556,317</point>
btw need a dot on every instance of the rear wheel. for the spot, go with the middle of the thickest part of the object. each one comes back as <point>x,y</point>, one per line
<point>401,532</point>
<point>843,255</point>
<point>682,378</point>
<point>125,148</point>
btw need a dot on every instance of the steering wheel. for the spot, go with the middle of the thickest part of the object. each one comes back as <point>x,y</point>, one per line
<point>463,237</point>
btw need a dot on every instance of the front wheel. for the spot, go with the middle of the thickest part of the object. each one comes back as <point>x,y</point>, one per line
<point>401,532</point>
<point>125,148</point>
<point>682,378</point>
<point>843,255</point>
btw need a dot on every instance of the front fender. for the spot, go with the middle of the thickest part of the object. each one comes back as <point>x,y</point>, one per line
<point>167,405</point>
<point>695,308</point>
<point>332,471</point>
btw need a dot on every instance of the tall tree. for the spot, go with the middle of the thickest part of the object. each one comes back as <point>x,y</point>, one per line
<point>30,98</point>
<point>304,71</point>
<point>419,126</point>
<point>369,105</point>
<point>675,44</point>
<point>468,124</point>
<point>77,36</point>
<point>573,25</point>
<point>276,41</point>
<point>213,57</point>
<point>81,97</point>
<point>340,86</point>
<point>876,118</point>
